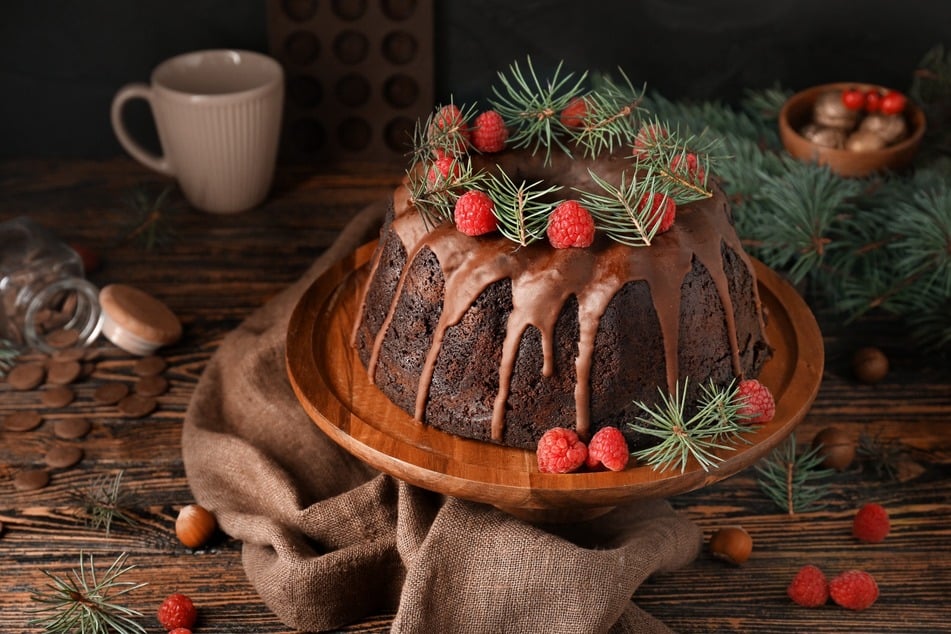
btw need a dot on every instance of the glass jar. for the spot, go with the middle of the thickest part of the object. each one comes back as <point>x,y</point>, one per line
<point>45,296</point>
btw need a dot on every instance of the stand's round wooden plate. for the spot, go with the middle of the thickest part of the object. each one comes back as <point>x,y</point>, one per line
<point>332,386</point>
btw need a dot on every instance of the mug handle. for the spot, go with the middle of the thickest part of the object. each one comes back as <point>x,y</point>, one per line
<point>136,91</point>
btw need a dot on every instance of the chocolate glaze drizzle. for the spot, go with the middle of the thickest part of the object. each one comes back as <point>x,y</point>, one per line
<point>544,278</point>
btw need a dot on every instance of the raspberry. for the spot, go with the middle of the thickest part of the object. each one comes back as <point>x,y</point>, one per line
<point>809,587</point>
<point>608,448</point>
<point>871,524</point>
<point>574,113</point>
<point>443,171</point>
<point>474,213</point>
<point>662,209</point>
<point>489,132</point>
<point>177,611</point>
<point>448,131</point>
<point>560,451</point>
<point>854,589</point>
<point>756,402</point>
<point>691,165</point>
<point>181,630</point>
<point>570,225</point>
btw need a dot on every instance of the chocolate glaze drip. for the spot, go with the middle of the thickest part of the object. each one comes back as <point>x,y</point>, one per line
<point>543,279</point>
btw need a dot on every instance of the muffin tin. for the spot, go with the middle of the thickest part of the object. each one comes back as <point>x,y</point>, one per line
<point>359,73</point>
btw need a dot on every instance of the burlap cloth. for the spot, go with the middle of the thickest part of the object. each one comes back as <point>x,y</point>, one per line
<point>328,541</point>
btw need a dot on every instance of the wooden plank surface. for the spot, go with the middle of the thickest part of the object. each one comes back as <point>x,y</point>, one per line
<point>217,269</point>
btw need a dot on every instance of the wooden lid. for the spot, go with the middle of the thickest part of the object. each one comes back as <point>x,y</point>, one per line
<point>135,321</point>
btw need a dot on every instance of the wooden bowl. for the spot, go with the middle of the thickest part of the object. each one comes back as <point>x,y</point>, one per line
<point>797,112</point>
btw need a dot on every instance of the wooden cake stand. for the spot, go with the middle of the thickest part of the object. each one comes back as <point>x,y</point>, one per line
<point>332,386</point>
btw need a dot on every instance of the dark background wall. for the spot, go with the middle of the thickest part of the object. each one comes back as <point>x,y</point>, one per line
<point>62,61</point>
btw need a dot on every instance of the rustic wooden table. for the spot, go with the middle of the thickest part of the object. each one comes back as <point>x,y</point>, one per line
<point>215,270</point>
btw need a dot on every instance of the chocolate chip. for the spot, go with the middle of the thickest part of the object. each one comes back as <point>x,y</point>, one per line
<point>71,428</point>
<point>26,376</point>
<point>63,372</point>
<point>151,385</point>
<point>69,354</point>
<point>63,456</point>
<point>57,396</point>
<point>62,338</point>
<point>137,406</point>
<point>22,421</point>
<point>149,366</point>
<point>31,479</point>
<point>110,393</point>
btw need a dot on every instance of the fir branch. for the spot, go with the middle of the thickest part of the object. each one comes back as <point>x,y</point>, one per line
<point>881,454</point>
<point>521,209</point>
<point>151,222</point>
<point>435,194</point>
<point>715,426</point>
<point>84,601</point>
<point>790,479</point>
<point>625,213</point>
<point>532,108</point>
<point>684,161</point>
<point>432,137</point>
<point>611,117</point>
<point>105,501</point>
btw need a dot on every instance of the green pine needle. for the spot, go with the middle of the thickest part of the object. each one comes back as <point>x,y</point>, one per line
<point>714,427</point>
<point>435,194</point>
<point>85,601</point>
<point>789,478</point>
<point>521,209</point>
<point>105,501</point>
<point>623,212</point>
<point>531,107</point>
<point>611,117</point>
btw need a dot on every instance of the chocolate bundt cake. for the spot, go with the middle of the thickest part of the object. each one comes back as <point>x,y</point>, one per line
<point>497,341</point>
<point>473,322</point>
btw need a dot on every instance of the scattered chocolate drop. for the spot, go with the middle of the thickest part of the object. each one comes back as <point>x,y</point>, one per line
<point>71,428</point>
<point>26,376</point>
<point>57,396</point>
<point>149,366</point>
<point>63,338</point>
<point>31,479</point>
<point>63,456</point>
<point>63,372</point>
<point>22,421</point>
<point>137,406</point>
<point>155,385</point>
<point>110,393</point>
<point>69,354</point>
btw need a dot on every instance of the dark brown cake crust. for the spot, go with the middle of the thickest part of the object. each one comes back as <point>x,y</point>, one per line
<point>488,341</point>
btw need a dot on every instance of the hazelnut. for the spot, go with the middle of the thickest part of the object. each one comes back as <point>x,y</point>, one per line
<point>890,127</point>
<point>829,111</point>
<point>836,448</point>
<point>732,544</point>
<point>824,136</point>
<point>870,365</point>
<point>195,525</point>
<point>864,141</point>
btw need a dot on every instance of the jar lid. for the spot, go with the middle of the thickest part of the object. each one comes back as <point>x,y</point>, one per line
<point>135,321</point>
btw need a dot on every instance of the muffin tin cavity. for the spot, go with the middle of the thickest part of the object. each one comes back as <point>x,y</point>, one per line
<point>358,75</point>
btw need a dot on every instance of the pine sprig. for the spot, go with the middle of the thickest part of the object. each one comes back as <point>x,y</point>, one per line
<point>790,479</point>
<point>433,137</point>
<point>86,601</point>
<point>714,427</point>
<point>611,117</point>
<point>435,194</point>
<point>521,209</point>
<point>105,501</point>
<point>624,212</point>
<point>532,107</point>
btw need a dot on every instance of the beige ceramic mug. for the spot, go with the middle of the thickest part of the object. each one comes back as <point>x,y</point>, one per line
<point>218,116</point>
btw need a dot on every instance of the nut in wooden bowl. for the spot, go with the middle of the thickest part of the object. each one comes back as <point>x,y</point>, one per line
<point>817,141</point>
